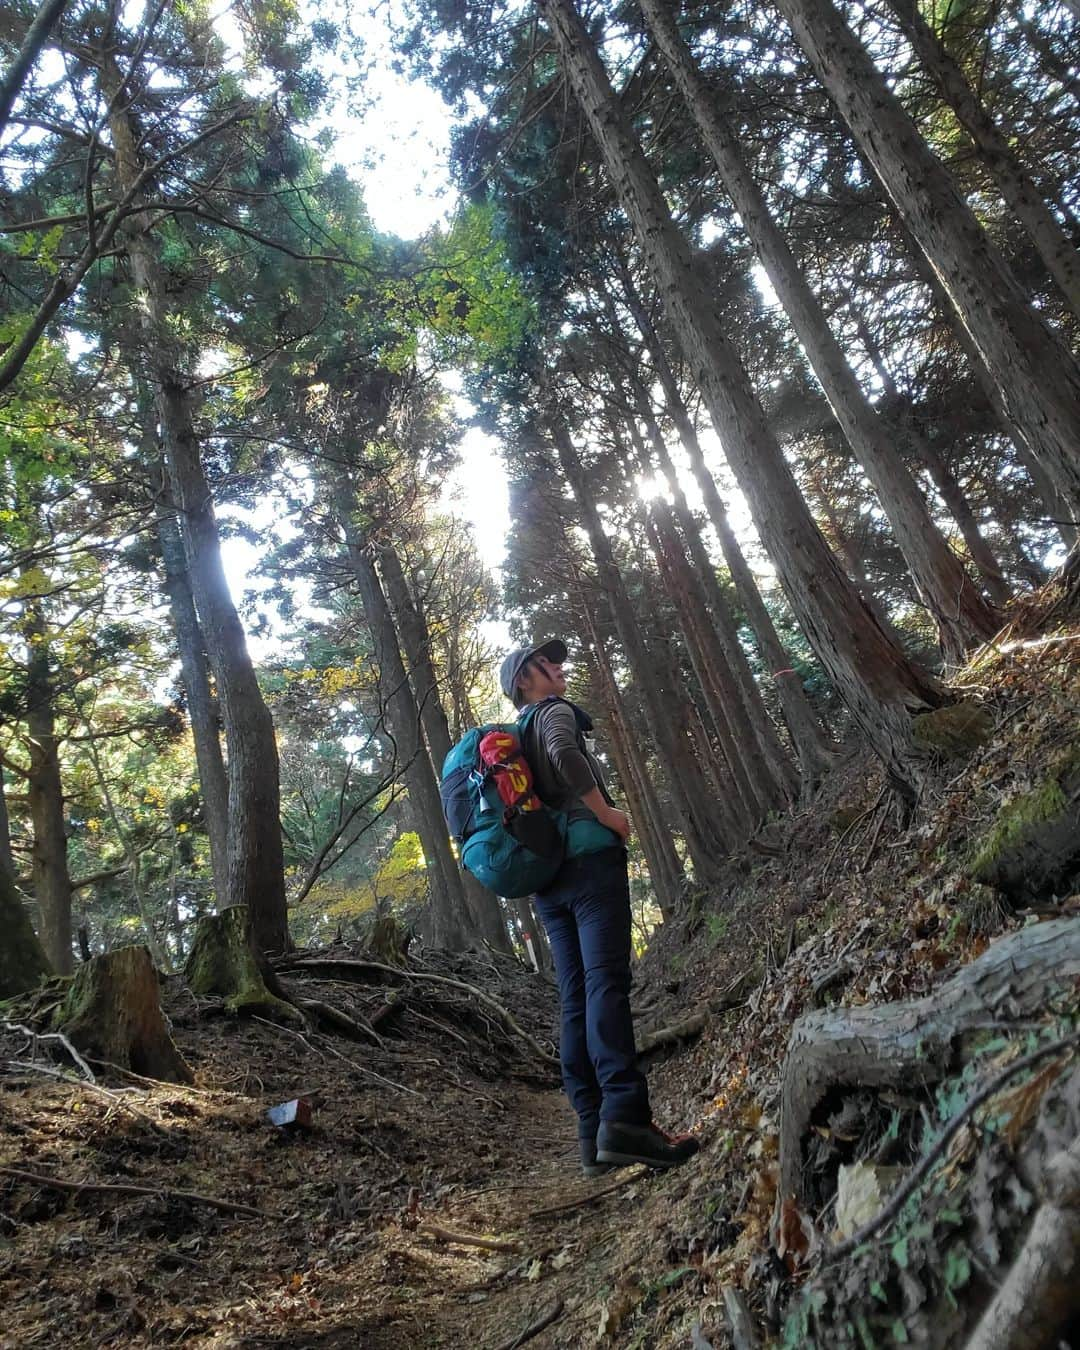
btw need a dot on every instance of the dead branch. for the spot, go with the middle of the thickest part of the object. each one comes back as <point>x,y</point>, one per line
<point>115,1188</point>
<point>635,1175</point>
<point>533,1329</point>
<point>35,1036</point>
<point>551,1314</point>
<point>468,1239</point>
<point>51,1071</point>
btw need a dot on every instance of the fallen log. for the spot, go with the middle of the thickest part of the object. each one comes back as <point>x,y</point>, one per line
<point>914,1043</point>
<point>685,1030</point>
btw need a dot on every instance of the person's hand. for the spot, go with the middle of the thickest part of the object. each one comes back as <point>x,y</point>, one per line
<point>618,821</point>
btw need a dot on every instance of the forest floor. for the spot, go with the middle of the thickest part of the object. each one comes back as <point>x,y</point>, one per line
<point>449,1124</point>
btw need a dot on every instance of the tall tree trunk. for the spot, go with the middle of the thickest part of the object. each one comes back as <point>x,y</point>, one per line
<point>779,770</point>
<point>403,718</point>
<point>812,745</point>
<point>1038,377</point>
<point>202,707</point>
<point>256,867</point>
<point>7,859</point>
<point>961,614</point>
<point>876,680</point>
<point>715,685</point>
<point>1057,510</point>
<point>681,769</point>
<point>23,963</point>
<point>952,494</point>
<point>842,542</point>
<point>664,863</point>
<point>45,794</point>
<point>1016,185</point>
<point>484,909</point>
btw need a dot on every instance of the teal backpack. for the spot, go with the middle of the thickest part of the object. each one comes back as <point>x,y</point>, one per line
<point>506,837</point>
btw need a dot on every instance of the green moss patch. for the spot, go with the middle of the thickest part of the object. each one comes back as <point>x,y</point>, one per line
<point>955,731</point>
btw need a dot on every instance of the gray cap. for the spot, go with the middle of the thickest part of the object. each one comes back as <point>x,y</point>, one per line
<point>553,649</point>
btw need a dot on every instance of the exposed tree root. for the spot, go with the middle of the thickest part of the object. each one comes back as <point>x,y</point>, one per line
<point>1041,1292</point>
<point>914,1043</point>
<point>356,970</point>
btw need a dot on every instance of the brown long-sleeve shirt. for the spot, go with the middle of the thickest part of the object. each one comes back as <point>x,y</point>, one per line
<point>564,767</point>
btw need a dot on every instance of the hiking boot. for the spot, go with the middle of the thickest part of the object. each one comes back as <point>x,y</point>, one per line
<point>589,1164</point>
<point>622,1144</point>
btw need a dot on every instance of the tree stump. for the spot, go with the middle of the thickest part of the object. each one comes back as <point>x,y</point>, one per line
<point>1033,847</point>
<point>387,941</point>
<point>113,1012</point>
<point>914,1043</point>
<point>224,963</point>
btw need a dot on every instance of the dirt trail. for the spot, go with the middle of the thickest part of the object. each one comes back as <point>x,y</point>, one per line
<point>352,1260</point>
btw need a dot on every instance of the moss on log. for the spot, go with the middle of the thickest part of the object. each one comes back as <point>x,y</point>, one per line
<point>1033,848</point>
<point>23,964</point>
<point>224,964</point>
<point>955,731</point>
<point>113,1012</point>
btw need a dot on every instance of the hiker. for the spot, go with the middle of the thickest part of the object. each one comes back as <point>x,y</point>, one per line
<point>585,911</point>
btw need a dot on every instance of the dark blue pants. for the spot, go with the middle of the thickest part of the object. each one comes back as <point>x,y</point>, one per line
<point>586,915</point>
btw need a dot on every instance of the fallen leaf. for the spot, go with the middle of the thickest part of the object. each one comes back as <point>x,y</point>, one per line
<point>793,1233</point>
<point>1022,1103</point>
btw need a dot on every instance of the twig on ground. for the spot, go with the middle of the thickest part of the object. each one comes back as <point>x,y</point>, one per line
<point>857,821</point>
<point>51,1071</point>
<point>362,1068</point>
<point>351,1026</point>
<point>277,1026</point>
<point>155,1082</point>
<point>635,1175</point>
<point>115,1188</point>
<point>551,1314</point>
<point>467,1239</point>
<point>35,1036</point>
<point>920,1171</point>
<point>873,842</point>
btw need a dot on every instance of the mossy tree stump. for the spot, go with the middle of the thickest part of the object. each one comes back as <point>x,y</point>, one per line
<point>955,731</point>
<point>23,964</point>
<point>387,941</point>
<point>1033,848</point>
<point>112,1012</point>
<point>224,964</point>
